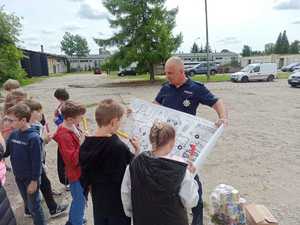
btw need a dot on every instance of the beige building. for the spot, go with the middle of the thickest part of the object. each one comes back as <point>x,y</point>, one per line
<point>57,63</point>
<point>88,62</point>
<point>217,57</point>
<point>280,60</point>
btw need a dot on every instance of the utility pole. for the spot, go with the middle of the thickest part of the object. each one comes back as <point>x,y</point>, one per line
<point>207,42</point>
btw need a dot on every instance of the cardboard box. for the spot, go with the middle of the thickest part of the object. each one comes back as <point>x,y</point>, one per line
<point>259,215</point>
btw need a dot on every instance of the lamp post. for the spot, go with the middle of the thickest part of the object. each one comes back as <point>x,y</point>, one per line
<point>207,42</point>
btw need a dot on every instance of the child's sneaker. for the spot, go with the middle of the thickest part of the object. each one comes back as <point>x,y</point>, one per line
<point>68,187</point>
<point>59,210</point>
<point>27,214</point>
<point>56,193</point>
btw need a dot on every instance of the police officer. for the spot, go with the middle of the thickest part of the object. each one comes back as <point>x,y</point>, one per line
<point>185,95</point>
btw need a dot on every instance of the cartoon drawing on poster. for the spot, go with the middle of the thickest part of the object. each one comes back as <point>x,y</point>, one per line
<point>189,129</point>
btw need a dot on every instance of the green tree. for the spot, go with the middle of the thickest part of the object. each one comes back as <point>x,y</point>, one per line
<point>257,53</point>
<point>225,51</point>
<point>295,47</point>
<point>195,48</point>
<point>269,48</point>
<point>67,45</point>
<point>81,46</point>
<point>143,32</point>
<point>234,62</point>
<point>74,45</point>
<point>202,49</point>
<point>10,55</point>
<point>285,45</point>
<point>278,45</point>
<point>246,51</point>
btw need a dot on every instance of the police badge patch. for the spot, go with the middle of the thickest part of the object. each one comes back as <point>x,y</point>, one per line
<point>186,103</point>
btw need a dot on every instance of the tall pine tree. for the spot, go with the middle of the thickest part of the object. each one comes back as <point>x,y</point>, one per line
<point>246,51</point>
<point>201,49</point>
<point>195,48</point>
<point>285,45</point>
<point>143,32</point>
<point>278,45</point>
<point>282,45</point>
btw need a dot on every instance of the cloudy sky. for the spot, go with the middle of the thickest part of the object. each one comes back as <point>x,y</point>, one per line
<point>232,23</point>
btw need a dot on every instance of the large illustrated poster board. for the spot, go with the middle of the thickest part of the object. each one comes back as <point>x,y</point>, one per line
<point>189,129</point>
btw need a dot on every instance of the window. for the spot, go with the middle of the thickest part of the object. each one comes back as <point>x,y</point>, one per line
<point>256,69</point>
<point>83,60</point>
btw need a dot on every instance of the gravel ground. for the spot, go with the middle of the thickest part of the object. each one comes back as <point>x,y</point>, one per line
<point>258,153</point>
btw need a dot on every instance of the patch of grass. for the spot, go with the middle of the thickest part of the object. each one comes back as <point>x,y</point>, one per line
<point>283,75</point>
<point>214,78</point>
<point>162,78</point>
<point>140,77</point>
<point>32,80</point>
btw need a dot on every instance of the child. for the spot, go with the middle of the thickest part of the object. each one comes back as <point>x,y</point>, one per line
<point>11,85</point>
<point>103,160</point>
<point>36,117</point>
<point>68,138</point>
<point>5,129</point>
<point>2,163</point>
<point>24,146</point>
<point>13,98</point>
<point>62,96</point>
<point>6,213</point>
<point>6,126</point>
<point>157,188</point>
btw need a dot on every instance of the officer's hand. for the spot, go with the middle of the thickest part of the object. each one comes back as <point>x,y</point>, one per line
<point>191,167</point>
<point>136,144</point>
<point>221,121</point>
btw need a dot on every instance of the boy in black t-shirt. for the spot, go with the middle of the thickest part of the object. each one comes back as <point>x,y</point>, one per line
<point>103,160</point>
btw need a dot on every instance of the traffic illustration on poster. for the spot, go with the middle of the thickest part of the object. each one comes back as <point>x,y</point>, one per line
<point>190,130</point>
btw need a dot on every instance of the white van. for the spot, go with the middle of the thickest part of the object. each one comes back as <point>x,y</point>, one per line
<point>256,72</point>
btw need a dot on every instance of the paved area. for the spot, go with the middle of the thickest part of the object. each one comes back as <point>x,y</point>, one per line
<point>258,153</point>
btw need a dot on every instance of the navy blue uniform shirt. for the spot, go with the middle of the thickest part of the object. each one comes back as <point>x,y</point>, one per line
<point>185,98</point>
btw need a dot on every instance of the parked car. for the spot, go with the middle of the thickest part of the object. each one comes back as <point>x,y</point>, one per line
<point>296,68</point>
<point>290,67</point>
<point>294,79</point>
<point>201,68</point>
<point>256,72</point>
<point>190,64</point>
<point>127,72</point>
<point>97,71</point>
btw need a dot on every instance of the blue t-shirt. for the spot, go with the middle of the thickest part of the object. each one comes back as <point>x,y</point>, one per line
<point>185,98</point>
<point>59,119</point>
